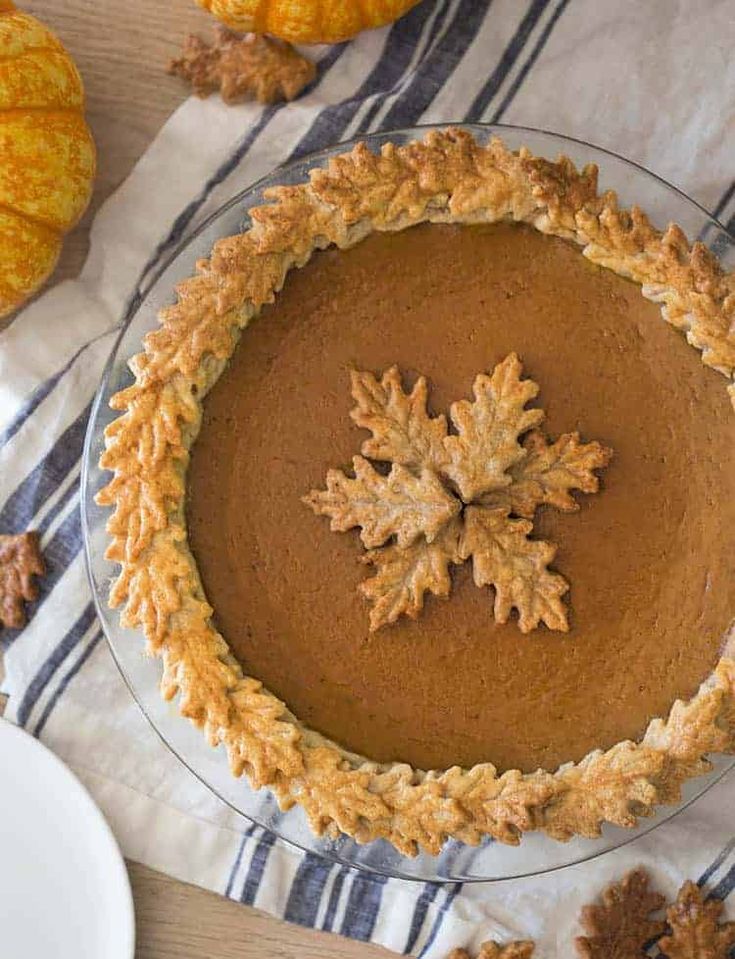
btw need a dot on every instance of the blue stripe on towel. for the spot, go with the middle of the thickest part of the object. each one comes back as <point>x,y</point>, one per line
<point>436,70</point>
<point>334,895</point>
<point>306,890</point>
<point>51,663</point>
<point>363,904</point>
<point>511,53</point>
<point>716,863</point>
<point>46,476</point>
<point>67,678</point>
<point>428,895</point>
<point>386,75</point>
<point>40,393</point>
<point>257,867</point>
<point>452,894</point>
<point>535,53</point>
<point>238,859</point>
<point>725,886</point>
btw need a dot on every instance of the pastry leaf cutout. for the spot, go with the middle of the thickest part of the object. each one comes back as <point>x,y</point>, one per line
<point>454,497</point>
<point>493,950</point>
<point>243,67</point>
<point>696,932</point>
<point>621,925</point>
<point>403,432</point>
<point>517,567</point>
<point>486,444</point>
<point>405,575</point>
<point>20,562</point>
<point>549,472</point>
<point>400,504</point>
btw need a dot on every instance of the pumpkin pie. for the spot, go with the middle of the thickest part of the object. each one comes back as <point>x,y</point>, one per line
<point>435,532</point>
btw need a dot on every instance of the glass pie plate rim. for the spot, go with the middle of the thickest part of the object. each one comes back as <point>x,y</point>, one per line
<point>536,854</point>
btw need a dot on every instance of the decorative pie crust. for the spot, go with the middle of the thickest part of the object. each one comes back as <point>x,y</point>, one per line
<point>447,178</point>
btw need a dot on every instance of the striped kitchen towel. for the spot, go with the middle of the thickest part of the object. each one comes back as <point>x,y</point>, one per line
<point>654,81</point>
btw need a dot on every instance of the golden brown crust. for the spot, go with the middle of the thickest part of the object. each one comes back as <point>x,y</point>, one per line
<point>448,177</point>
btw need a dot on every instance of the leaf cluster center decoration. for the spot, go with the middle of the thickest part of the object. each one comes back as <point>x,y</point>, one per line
<point>451,497</point>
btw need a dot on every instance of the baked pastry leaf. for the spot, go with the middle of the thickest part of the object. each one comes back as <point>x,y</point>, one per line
<point>614,786</point>
<point>696,932</point>
<point>405,575</point>
<point>620,927</point>
<point>20,561</point>
<point>486,444</point>
<point>242,67</point>
<point>515,566</point>
<point>549,472</point>
<point>403,431</point>
<point>401,504</point>
<point>494,950</point>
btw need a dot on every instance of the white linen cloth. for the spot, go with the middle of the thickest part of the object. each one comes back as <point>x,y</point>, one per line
<point>654,81</point>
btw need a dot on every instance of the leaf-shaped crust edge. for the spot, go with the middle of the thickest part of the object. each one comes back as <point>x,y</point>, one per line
<point>446,178</point>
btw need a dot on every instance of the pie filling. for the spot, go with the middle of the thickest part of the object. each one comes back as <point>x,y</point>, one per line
<point>648,557</point>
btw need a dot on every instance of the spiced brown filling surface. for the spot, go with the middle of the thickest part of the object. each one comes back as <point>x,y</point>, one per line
<point>649,557</point>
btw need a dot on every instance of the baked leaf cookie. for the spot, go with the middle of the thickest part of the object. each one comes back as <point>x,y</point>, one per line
<point>455,497</point>
<point>401,504</point>
<point>620,926</point>
<point>493,950</point>
<point>20,561</point>
<point>243,67</point>
<point>549,472</point>
<point>515,566</point>
<point>696,930</point>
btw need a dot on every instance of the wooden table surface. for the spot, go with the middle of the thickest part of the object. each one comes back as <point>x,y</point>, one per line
<point>121,47</point>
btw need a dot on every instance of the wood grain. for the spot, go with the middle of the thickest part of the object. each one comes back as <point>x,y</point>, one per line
<point>121,48</point>
<point>175,921</point>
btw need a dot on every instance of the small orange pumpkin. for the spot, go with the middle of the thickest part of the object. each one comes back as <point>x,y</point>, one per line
<point>307,21</point>
<point>47,155</point>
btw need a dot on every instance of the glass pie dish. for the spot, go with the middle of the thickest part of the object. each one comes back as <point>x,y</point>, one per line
<point>457,862</point>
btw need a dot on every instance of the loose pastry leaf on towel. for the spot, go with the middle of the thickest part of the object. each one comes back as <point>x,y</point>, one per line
<point>620,927</point>
<point>20,561</point>
<point>696,932</point>
<point>493,950</point>
<point>243,67</point>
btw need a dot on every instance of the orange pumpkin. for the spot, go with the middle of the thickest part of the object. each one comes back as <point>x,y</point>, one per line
<point>47,155</point>
<point>307,21</point>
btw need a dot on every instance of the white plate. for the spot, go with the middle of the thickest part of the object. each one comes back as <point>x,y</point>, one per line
<point>64,890</point>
